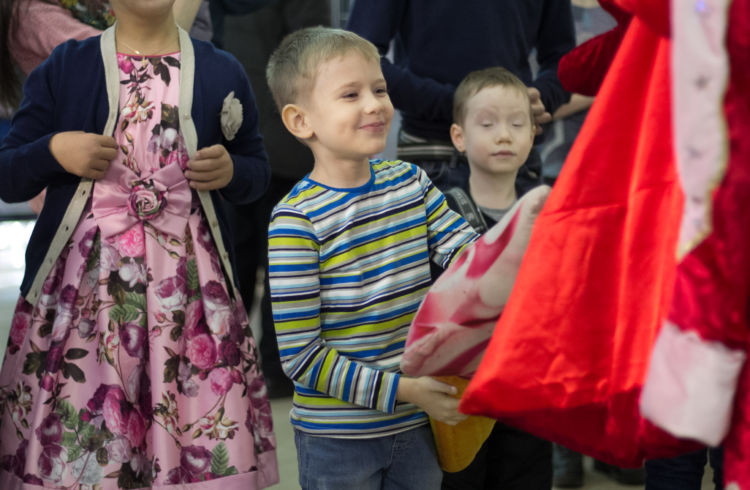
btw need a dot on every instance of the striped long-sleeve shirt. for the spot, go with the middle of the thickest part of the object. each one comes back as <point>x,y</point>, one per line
<point>348,270</point>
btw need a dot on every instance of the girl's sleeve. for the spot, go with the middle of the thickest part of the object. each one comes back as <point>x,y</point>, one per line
<point>252,172</point>
<point>26,163</point>
<point>448,233</point>
<point>294,274</point>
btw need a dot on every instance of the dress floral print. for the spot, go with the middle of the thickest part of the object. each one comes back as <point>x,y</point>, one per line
<point>136,368</point>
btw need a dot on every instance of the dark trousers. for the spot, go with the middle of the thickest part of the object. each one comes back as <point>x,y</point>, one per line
<point>684,472</point>
<point>509,460</point>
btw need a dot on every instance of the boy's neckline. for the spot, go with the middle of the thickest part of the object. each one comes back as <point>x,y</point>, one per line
<point>493,193</point>
<point>355,189</point>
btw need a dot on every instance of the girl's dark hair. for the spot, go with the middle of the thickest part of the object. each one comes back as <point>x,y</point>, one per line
<point>10,77</point>
<point>10,81</point>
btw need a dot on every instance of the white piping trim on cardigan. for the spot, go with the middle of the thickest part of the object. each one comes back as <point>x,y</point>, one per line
<point>75,207</point>
<point>190,135</point>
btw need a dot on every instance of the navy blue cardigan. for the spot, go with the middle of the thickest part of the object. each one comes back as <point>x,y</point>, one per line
<point>68,93</point>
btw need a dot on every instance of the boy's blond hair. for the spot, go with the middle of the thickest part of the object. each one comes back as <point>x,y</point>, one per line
<point>481,79</point>
<point>294,64</point>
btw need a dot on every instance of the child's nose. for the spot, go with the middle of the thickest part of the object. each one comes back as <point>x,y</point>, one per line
<point>503,133</point>
<point>373,103</point>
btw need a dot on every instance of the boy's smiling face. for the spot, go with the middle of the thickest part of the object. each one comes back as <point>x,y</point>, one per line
<point>497,132</point>
<point>348,110</point>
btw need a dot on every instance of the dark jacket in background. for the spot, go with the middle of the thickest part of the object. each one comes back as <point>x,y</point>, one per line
<point>438,42</point>
<point>251,39</point>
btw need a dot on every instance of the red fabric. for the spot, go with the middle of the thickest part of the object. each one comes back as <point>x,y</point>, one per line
<point>569,355</point>
<point>621,15</point>
<point>724,298</point>
<point>582,70</point>
<point>654,13</point>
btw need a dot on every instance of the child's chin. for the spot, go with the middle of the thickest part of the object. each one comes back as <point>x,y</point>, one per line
<point>375,151</point>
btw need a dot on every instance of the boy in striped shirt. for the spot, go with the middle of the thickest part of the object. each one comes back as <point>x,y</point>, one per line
<point>349,254</point>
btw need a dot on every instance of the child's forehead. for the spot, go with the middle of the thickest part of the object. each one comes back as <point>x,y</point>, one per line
<point>343,69</point>
<point>503,95</point>
<point>344,60</point>
<point>500,91</point>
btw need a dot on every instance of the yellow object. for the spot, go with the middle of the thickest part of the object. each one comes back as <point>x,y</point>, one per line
<point>457,445</point>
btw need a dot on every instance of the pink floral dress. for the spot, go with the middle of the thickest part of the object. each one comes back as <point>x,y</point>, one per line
<point>136,368</point>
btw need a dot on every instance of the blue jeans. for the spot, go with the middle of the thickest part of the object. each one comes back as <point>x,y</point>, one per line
<point>684,472</point>
<point>403,461</point>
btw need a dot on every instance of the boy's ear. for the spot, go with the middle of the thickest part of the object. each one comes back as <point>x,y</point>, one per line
<point>457,136</point>
<point>295,121</point>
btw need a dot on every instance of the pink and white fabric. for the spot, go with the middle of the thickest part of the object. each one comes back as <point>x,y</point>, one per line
<point>455,321</point>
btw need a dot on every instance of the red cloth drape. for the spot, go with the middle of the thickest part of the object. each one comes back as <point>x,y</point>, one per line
<point>569,355</point>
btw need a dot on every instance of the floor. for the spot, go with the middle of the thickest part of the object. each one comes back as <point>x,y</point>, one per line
<point>13,237</point>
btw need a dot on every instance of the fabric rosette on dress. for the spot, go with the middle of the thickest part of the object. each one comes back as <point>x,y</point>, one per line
<point>162,200</point>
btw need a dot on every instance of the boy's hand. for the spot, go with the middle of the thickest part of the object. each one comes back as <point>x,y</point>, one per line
<point>83,154</point>
<point>538,111</point>
<point>211,168</point>
<point>437,399</point>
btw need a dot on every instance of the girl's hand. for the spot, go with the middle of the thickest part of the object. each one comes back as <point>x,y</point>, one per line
<point>37,203</point>
<point>438,399</point>
<point>83,154</point>
<point>211,168</point>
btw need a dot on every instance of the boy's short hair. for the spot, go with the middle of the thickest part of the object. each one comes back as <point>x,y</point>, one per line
<point>294,63</point>
<point>481,79</point>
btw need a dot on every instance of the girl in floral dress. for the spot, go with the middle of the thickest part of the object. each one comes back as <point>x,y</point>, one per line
<point>130,362</point>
